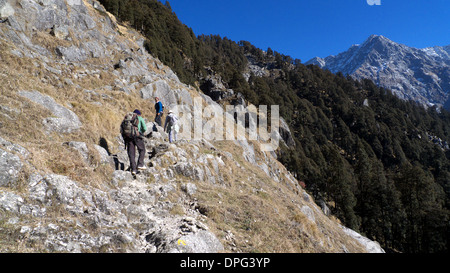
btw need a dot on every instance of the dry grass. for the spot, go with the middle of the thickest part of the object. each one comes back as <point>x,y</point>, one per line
<point>21,119</point>
<point>262,214</point>
<point>248,207</point>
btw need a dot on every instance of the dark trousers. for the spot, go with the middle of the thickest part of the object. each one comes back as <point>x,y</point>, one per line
<point>131,149</point>
<point>158,119</point>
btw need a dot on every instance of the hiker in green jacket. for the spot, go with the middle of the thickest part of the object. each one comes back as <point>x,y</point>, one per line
<point>138,142</point>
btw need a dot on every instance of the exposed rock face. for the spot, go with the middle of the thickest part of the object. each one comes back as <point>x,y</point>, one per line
<point>129,216</point>
<point>161,90</point>
<point>6,9</point>
<point>10,166</point>
<point>372,246</point>
<point>422,75</point>
<point>178,198</point>
<point>66,121</point>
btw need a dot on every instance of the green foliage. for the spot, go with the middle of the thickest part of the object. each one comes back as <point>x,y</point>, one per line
<point>375,165</point>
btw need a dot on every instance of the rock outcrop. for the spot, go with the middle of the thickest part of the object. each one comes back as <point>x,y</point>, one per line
<point>65,121</point>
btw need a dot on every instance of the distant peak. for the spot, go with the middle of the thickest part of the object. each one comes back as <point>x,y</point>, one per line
<point>317,61</point>
<point>378,38</point>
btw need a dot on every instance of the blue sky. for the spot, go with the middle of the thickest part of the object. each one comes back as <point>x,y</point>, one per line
<point>307,28</point>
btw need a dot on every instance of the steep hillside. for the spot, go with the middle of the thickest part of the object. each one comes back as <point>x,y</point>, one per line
<point>68,74</point>
<point>422,75</point>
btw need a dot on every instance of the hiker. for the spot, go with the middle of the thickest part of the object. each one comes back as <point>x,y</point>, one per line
<point>171,126</point>
<point>133,128</point>
<point>159,107</point>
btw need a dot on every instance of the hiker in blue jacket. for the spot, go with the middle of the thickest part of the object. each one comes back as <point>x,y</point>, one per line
<point>159,111</point>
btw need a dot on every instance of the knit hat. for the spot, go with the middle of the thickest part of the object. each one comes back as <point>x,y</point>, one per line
<point>137,112</point>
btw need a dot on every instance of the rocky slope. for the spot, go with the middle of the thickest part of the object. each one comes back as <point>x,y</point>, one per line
<point>68,74</point>
<point>422,75</point>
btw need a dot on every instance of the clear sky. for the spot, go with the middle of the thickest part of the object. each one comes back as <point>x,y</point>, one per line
<point>304,29</point>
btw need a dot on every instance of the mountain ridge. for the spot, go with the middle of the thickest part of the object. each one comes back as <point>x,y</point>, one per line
<point>417,74</point>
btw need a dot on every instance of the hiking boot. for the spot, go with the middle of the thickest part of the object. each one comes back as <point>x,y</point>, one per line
<point>133,173</point>
<point>142,168</point>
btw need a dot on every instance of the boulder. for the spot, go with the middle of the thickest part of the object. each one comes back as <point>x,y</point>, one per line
<point>104,156</point>
<point>189,188</point>
<point>65,121</point>
<point>10,202</point>
<point>189,170</point>
<point>371,246</point>
<point>5,9</point>
<point>11,147</point>
<point>10,166</point>
<point>81,147</point>
<point>60,32</point>
<point>199,242</point>
<point>65,191</point>
<point>72,53</point>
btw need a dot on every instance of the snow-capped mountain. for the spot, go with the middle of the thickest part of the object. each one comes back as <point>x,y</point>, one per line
<point>422,75</point>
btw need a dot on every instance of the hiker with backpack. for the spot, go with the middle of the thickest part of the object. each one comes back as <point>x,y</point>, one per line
<point>171,126</point>
<point>159,107</point>
<point>132,129</point>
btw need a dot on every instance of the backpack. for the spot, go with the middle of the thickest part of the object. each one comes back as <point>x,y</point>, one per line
<point>129,127</point>
<point>172,119</point>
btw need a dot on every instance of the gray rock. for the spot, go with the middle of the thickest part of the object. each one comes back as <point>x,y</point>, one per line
<point>371,246</point>
<point>188,169</point>
<point>11,147</point>
<point>60,32</point>
<point>66,121</point>
<point>81,147</point>
<point>285,133</point>
<point>189,188</point>
<point>79,17</point>
<point>155,131</point>
<point>199,242</point>
<point>51,13</point>
<point>104,157</point>
<point>184,97</point>
<point>324,207</point>
<point>159,89</point>
<point>153,126</point>
<point>159,149</point>
<point>10,166</point>
<point>66,191</point>
<point>309,213</point>
<point>120,176</point>
<point>72,53</point>
<point>147,79</point>
<point>37,188</point>
<point>98,6</point>
<point>248,150</point>
<point>6,9</point>
<point>10,202</point>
